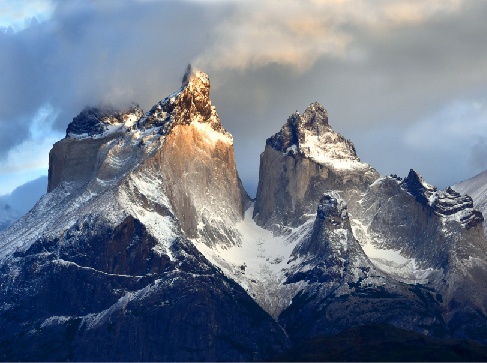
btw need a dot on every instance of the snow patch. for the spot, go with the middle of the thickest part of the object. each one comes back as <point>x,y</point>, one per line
<point>212,135</point>
<point>259,262</point>
<point>327,149</point>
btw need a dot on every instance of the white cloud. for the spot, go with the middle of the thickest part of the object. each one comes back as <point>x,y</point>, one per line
<point>33,153</point>
<point>18,13</point>
<point>455,125</point>
<point>298,32</point>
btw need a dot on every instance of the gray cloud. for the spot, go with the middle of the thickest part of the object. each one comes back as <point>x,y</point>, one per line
<point>373,65</point>
<point>96,52</point>
<point>478,155</point>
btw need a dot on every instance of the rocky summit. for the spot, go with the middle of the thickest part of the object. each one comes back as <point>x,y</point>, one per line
<point>147,247</point>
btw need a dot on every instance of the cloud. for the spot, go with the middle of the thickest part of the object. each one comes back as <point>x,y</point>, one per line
<point>478,155</point>
<point>370,63</point>
<point>298,32</point>
<point>455,125</point>
<point>24,197</point>
<point>18,13</point>
<point>92,53</point>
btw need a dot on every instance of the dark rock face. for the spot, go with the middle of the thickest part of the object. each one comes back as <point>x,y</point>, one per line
<point>443,233</point>
<point>345,289</point>
<point>94,120</point>
<point>104,294</point>
<point>416,186</point>
<point>382,342</point>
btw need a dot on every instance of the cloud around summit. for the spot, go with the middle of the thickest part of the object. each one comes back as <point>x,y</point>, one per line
<point>394,65</point>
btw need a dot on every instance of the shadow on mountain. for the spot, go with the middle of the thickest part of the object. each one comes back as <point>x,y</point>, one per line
<point>382,343</point>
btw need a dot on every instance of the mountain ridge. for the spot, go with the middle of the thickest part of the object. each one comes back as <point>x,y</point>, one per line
<point>147,247</point>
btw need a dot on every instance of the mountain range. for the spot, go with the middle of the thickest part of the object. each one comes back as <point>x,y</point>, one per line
<point>147,247</point>
<point>18,202</point>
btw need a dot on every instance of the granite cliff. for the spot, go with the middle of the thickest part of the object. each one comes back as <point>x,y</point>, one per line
<point>102,268</point>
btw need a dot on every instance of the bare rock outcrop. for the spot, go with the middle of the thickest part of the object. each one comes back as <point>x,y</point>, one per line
<point>74,159</point>
<point>103,267</point>
<point>439,235</point>
<point>344,289</point>
<point>301,161</point>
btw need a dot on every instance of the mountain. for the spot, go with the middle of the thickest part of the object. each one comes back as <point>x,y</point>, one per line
<point>421,235</point>
<point>350,247</point>
<point>301,161</point>
<point>382,343</point>
<point>8,215</point>
<point>20,201</point>
<point>476,188</point>
<point>102,267</point>
<point>147,247</point>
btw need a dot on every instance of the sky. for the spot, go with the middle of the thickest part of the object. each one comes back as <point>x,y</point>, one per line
<point>405,80</point>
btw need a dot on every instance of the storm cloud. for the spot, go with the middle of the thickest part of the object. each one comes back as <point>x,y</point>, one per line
<point>393,75</point>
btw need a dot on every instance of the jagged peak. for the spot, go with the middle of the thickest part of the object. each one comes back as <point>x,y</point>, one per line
<point>195,76</point>
<point>309,135</point>
<point>98,121</point>
<point>331,205</point>
<point>331,235</point>
<point>447,203</point>
<point>191,103</point>
<point>314,116</point>
<point>414,179</point>
<point>416,186</point>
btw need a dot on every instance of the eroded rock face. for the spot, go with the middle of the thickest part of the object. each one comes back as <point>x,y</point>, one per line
<point>301,161</point>
<point>97,293</point>
<point>441,237</point>
<point>74,159</point>
<point>102,267</point>
<point>344,288</point>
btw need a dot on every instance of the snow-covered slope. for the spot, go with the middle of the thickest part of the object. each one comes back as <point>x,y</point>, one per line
<point>102,266</point>
<point>476,188</point>
<point>260,262</point>
<point>147,247</point>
